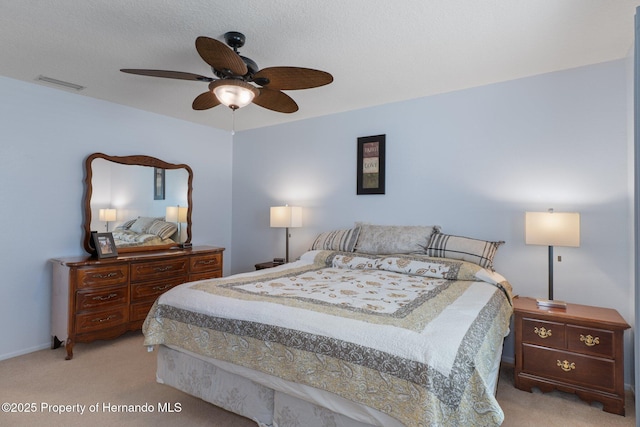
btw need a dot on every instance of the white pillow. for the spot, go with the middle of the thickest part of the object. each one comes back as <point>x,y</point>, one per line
<point>393,239</point>
<point>142,224</point>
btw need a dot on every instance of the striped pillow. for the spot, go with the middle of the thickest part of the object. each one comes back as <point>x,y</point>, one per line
<point>163,229</point>
<point>337,240</point>
<point>479,252</point>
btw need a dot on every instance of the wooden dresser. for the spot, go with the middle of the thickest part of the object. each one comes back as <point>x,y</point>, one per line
<point>578,350</point>
<point>102,299</point>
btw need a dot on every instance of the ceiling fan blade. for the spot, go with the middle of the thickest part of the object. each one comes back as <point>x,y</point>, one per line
<point>205,100</point>
<point>276,101</point>
<point>292,78</point>
<point>220,56</point>
<point>168,74</point>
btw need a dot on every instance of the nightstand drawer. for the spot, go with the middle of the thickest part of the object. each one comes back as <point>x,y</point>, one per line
<point>595,372</point>
<point>542,332</point>
<point>590,340</point>
<point>103,276</point>
<point>102,299</point>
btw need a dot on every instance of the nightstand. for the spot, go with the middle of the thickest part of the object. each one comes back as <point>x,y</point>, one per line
<point>268,264</point>
<point>578,349</point>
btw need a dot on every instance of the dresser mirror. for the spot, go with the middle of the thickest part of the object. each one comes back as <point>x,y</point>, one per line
<point>143,201</point>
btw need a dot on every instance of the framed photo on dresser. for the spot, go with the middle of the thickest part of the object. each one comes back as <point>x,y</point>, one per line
<point>105,245</point>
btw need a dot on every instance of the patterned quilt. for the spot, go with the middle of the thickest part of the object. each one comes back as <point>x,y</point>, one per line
<point>411,336</point>
<point>128,238</point>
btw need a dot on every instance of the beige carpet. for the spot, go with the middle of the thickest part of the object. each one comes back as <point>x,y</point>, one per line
<point>122,372</point>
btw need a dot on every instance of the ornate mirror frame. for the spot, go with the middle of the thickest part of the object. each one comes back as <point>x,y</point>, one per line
<point>138,160</point>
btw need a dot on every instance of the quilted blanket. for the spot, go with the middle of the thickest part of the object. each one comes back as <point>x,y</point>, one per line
<point>411,336</point>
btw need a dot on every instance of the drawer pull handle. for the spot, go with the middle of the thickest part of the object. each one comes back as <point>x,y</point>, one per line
<point>113,316</point>
<point>108,297</point>
<point>207,262</point>
<point>104,276</point>
<point>589,341</point>
<point>161,288</point>
<point>566,366</point>
<point>542,332</point>
<point>163,269</point>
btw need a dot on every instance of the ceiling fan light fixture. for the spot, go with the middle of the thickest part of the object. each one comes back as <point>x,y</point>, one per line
<point>233,93</point>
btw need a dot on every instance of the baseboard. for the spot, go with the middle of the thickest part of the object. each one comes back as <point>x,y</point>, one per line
<point>24,351</point>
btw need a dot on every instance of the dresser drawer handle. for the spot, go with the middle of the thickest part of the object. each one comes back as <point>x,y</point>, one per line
<point>589,340</point>
<point>542,332</point>
<point>163,269</point>
<point>161,288</point>
<point>566,366</point>
<point>113,316</point>
<point>104,276</point>
<point>108,297</point>
<point>207,262</point>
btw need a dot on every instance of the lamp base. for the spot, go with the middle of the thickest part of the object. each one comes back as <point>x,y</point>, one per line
<point>551,303</point>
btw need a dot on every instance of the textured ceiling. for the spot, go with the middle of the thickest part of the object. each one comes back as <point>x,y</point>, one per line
<point>378,51</point>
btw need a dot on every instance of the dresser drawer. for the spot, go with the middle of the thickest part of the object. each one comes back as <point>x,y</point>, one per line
<point>102,276</point>
<point>142,291</point>
<point>138,312</point>
<point>158,269</point>
<point>101,319</point>
<point>204,263</point>
<point>102,299</point>
<point>590,341</point>
<point>542,332</point>
<point>568,367</point>
<point>207,275</point>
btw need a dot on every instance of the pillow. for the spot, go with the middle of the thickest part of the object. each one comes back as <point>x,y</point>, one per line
<point>393,239</point>
<point>337,240</point>
<point>163,229</point>
<point>479,252</point>
<point>127,225</point>
<point>142,224</point>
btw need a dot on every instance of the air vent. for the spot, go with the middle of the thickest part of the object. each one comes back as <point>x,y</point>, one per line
<point>61,83</point>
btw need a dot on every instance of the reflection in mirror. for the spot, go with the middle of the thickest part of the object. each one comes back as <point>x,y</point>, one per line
<point>123,197</point>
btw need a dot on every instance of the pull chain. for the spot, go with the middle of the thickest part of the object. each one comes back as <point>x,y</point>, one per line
<point>233,121</point>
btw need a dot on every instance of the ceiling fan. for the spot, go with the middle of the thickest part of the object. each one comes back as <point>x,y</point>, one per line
<point>239,81</point>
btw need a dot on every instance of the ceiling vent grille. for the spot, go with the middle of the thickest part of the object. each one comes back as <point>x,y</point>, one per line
<point>60,83</point>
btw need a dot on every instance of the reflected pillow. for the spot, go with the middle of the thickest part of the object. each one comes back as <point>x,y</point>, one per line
<point>480,252</point>
<point>142,224</point>
<point>163,229</point>
<point>393,239</point>
<point>337,240</point>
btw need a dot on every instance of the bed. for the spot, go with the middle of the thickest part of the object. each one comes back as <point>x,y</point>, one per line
<point>144,231</point>
<point>347,335</point>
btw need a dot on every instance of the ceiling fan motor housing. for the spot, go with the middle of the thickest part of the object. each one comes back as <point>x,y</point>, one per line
<point>234,39</point>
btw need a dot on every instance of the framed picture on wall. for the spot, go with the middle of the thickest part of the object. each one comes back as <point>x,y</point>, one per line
<point>371,164</point>
<point>105,245</point>
<point>158,184</point>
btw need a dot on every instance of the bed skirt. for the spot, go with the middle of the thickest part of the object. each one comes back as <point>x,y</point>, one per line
<point>267,400</point>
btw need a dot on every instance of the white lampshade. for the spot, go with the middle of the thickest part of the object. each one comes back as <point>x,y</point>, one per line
<point>176,214</point>
<point>233,93</point>
<point>107,215</point>
<point>286,216</point>
<point>552,228</point>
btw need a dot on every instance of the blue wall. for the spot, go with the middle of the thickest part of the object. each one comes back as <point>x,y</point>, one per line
<point>473,162</point>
